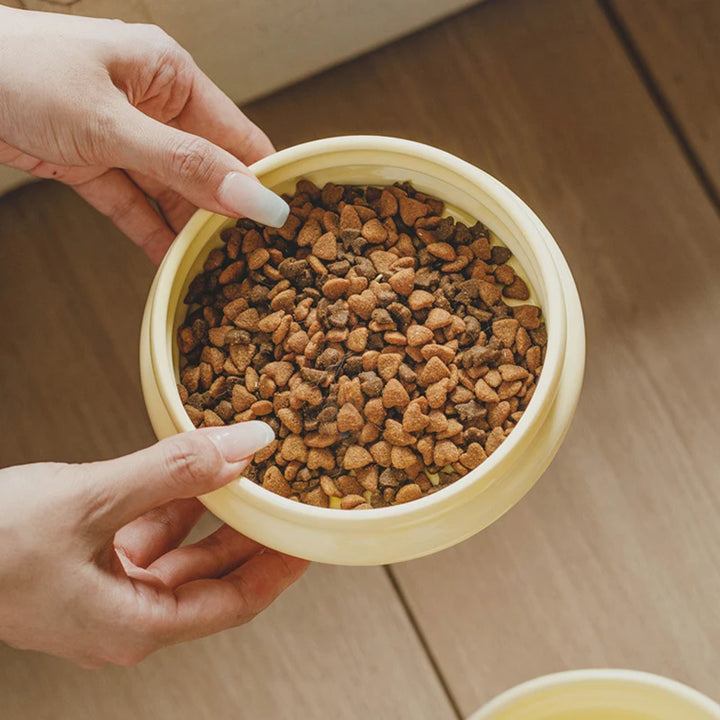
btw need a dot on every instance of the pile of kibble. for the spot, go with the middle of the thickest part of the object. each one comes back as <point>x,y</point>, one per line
<point>371,333</point>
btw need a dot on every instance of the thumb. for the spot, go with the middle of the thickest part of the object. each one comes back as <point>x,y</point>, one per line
<point>183,466</point>
<point>200,171</point>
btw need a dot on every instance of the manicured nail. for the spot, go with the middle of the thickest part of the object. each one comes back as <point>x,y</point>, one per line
<point>244,195</point>
<point>242,440</point>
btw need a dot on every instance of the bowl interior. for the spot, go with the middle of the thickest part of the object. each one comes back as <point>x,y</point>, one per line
<point>469,195</point>
<point>600,695</point>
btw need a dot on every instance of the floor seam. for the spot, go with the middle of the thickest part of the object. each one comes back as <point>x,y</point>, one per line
<point>434,664</point>
<point>661,102</point>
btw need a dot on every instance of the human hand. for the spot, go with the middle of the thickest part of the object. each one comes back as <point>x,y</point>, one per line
<point>122,113</point>
<point>90,567</point>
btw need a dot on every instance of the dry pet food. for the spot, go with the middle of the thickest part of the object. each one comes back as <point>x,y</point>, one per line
<point>372,333</point>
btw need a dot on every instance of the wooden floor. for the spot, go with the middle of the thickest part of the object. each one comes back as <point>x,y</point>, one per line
<point>605,118</point>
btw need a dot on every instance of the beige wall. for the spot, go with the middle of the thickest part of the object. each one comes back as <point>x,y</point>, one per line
<point>251,47</point>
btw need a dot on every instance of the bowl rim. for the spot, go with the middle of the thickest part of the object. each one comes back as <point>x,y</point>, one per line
<point>569,678</point>
<point>472,483</point>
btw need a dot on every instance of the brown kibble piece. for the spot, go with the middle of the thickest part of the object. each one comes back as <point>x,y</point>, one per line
<point>349,419</point>
<point>505,331</point>
<point>388,204</point>
<point>408,492</point>
<point>528,316</point>
<point>395,434</point>
<point>436,394</point>
<point>280,372</point>
<point>292,420</point>
<point>257,258</point>
<point>498,414</point>
<point>248,320</point>
<point>356,457</point>
<point>357,339</point>
<point>490,293</point>
<point>395,395</point>
<point>317,498</point>
<point>532,358</point>
<point>445,352</point>
<point>352,501</point>
<point>446,452</point>
<point>388,365</point>
<point>442,250</point>
<point>350,223</point>
<point>293,448</point>
<point>241,398</point>
<point>368,477</point>
<point>419,335</point>
<point>325,247</point>
<point>411,210</point>
<point>517,289</point>
<point>375,411</point>
<point>274,481</point>
<point>310,232</point>
<point>414,419</point>
<point>261,407</point>
<point>321,458</point>
<point>484,392</point>
<point>438,318</point>
<point>510,373</point>
<point>522,341</point>
<point>374,232</point>
<point>403,281</point>
<point>420,299</point>
<point>328,486</point>
<point>363,304</point>
<point>473,456</point>
<point>494,440</point>
<point>402,457</point>
<point>381,453</point>
<point>335,288</point>
<point>434,371</point>
<point>212,419</point>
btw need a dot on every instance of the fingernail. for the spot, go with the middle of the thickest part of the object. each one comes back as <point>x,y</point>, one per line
<point>242,440</point>
<point>243,195</point>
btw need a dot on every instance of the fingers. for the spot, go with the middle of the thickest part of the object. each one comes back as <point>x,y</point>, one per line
<point>199,170</point>
<point>211,557</point>
<point>174,207</point>
<point>211,113</point>
<point>158,531</point>
<point>208,606</point>
<point>183,466</point>
<point>115,195</point>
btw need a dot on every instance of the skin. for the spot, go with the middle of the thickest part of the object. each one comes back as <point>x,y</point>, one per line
<point>91,567</point>
<point>121,113</point>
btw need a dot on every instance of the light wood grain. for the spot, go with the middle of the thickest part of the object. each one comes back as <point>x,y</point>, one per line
<point>337,645</point>
<point>612,559</point>
<point>679,41</point>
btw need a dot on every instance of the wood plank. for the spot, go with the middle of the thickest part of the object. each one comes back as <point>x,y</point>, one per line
<point>679,42</point>
<point>612,559</point>
<point>336,645</point>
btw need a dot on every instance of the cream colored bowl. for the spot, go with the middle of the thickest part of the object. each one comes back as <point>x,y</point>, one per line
<point>600,695</point>
<point>402,532</point>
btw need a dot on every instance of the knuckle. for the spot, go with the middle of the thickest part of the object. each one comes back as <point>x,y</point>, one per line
<point>191,459</point>
<point>129,656</point>
<point>156,36</point>
<point>191,160</point>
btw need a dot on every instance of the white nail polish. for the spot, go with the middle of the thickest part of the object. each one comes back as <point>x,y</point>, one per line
<point>243,195</point>
<point>242,440</point>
